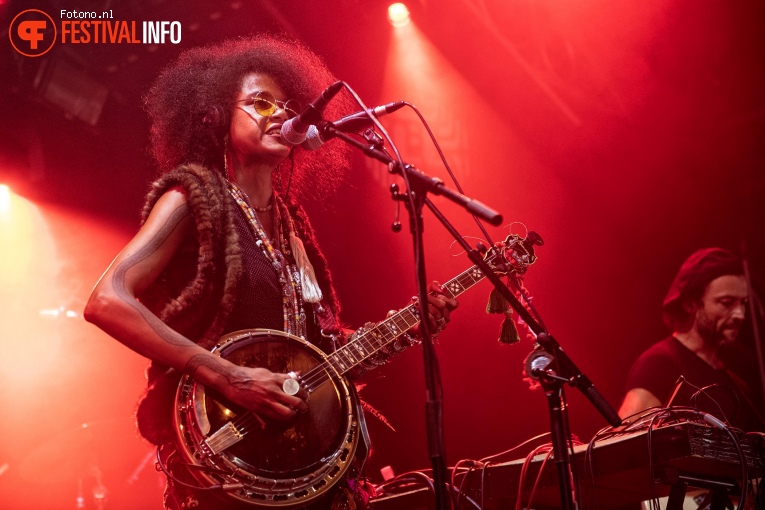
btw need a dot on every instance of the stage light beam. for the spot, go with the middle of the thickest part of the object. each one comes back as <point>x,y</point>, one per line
<point>5,198</point>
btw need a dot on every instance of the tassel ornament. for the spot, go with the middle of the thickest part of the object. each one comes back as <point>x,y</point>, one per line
<point>508,333</point>
<point>497,302</point>
<point>308,282</point>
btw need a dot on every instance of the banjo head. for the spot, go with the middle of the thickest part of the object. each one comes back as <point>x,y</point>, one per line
<point>280,463</point>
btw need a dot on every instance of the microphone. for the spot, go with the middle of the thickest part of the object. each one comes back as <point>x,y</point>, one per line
<point>293,131</point>
<point>316,137</point>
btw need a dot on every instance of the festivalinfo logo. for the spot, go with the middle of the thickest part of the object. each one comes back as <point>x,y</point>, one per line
<point>34,32</point>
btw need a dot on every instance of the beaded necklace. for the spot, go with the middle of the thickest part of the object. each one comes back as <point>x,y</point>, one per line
<point>280,257</point>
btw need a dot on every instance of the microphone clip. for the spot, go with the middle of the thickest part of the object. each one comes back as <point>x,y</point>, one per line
<point>373,137</point>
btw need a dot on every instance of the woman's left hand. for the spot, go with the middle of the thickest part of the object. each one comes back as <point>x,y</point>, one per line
<point>440,307</point>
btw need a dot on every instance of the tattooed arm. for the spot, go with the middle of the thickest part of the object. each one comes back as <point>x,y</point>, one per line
<point>113,307</point>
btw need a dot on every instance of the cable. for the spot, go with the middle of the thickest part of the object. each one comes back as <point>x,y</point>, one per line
<point>462,482</point>
<point>539,477</point>
<point>540,436</point>
<point>545,448</point>
<point>742,458</point>
<point>704,391</point>
<point>175,479</point>
<point>477,220</point>
<point>411,478</point>
<point>446,165</point>
<point>416,478</point>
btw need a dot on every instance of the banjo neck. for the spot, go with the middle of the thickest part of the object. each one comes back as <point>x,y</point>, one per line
<point>372,340</point>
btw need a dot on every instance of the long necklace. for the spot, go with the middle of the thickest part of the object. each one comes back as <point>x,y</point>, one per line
<point>279,256</point>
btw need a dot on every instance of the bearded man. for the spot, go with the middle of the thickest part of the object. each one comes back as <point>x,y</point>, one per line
<point>705,309</point>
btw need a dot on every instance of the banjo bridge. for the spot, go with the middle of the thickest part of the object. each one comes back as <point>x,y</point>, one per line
<point>225,437</point>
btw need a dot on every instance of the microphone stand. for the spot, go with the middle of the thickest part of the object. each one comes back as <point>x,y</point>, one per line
<point>420,184</point>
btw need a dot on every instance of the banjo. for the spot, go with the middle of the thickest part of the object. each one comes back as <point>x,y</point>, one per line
<point>290,464</point>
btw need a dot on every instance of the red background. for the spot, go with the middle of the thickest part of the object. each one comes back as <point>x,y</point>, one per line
<point>628,134</point>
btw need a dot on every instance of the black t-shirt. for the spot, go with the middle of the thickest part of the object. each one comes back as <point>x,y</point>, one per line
<point>659,368</point>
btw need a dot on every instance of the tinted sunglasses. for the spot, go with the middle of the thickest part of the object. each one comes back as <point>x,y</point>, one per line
<point>266,104</point>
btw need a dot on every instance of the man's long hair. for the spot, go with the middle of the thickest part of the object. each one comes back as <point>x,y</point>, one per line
<point>191,101</point>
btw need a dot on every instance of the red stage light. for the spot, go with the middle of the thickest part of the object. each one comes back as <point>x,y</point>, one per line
<point>5,197</point>
<point>398,15</point>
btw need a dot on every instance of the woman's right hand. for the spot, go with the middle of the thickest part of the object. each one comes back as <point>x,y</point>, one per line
<point>260,391</point>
